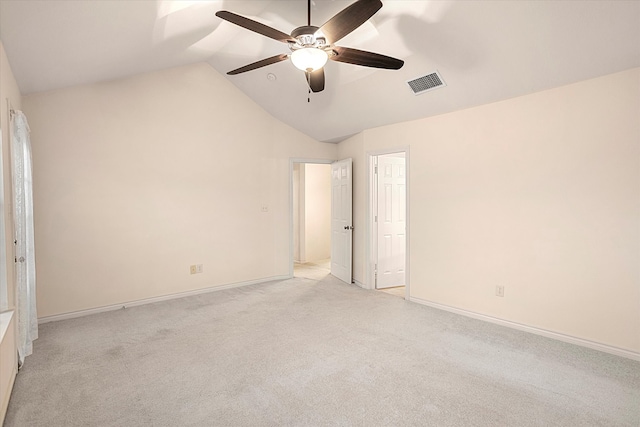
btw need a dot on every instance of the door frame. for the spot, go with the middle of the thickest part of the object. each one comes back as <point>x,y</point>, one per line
<point>371,234</point>
<point>293,160</point>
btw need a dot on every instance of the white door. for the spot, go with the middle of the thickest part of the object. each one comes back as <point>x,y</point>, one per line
<point>391,183</point>
<point>341,219</point>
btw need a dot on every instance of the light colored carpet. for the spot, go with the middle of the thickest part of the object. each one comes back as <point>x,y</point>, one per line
<point>312,353</point>
<point>398,291</point>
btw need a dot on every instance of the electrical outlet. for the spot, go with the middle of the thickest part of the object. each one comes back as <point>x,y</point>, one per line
<point>500,291</point>
<point>264,208</point>
<point>193,269</point>
<point>198,268</point>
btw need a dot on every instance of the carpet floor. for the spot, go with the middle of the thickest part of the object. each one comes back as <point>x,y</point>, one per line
<point>305,352</point>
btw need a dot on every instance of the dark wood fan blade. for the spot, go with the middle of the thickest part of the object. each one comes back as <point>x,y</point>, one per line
<point>255,26</point>
<point>259,64</point>
<point>349,19</point>
<point>316,80</point>
<point>366,59</point>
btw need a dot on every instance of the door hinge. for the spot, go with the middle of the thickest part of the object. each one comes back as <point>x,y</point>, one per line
<point>375,219</point>
<point>375,170</point>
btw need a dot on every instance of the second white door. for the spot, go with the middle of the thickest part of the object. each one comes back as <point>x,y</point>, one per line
<point>391,221</point>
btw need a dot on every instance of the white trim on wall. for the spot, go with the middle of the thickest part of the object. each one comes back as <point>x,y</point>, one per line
<point>82,313</point>
<point>531,329</point>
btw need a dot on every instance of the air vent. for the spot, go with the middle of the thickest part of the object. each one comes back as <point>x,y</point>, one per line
<point>426,83</point>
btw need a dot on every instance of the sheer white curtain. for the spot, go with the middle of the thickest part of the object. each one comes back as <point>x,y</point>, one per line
<point>23,220</point>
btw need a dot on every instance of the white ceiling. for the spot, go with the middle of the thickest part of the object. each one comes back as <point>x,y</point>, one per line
<point>485,51</point>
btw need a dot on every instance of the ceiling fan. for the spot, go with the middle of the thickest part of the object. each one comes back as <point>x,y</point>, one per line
<point>311,46</point>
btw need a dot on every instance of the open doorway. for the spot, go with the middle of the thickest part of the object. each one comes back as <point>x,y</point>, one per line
<point>388,243</point>
<point>311,215</point>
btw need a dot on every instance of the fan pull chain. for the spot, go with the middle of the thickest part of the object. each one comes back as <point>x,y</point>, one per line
<point>309,96</point>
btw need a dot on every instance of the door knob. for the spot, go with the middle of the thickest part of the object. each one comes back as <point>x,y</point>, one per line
<point>348,227</point>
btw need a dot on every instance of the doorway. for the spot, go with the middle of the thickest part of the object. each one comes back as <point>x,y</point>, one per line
<point>388,219</point>
<point>311,218</point>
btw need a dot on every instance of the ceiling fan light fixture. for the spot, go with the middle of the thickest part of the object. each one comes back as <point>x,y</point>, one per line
<point>312,46</point>
<point>309,58</point>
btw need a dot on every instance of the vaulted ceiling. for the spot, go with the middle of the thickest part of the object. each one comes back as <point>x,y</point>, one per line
<point>485,51</point>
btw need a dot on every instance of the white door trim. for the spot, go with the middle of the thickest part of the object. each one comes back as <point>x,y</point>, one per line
<point>370,238</point>
<point>293,160</point>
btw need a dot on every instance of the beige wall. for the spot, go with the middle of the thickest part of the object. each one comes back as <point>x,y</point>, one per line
<point>311,212</point>
<point>136,179</point>
<point>540,194</point>
<point>8,91</point>
<point>317,212</point>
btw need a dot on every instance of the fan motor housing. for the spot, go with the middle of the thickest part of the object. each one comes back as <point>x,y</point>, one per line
<point>306,36</point>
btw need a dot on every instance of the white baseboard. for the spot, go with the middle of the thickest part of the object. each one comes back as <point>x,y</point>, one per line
<point>543,332</point>
<point>81,313</point>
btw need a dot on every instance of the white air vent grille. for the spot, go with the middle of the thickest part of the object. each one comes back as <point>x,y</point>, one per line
<point>426,83</point>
